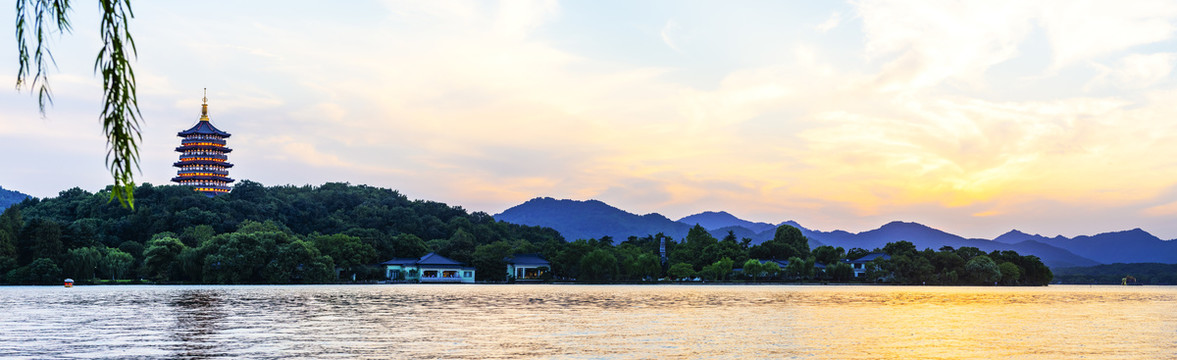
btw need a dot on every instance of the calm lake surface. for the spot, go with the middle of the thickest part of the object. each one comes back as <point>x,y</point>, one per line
<point>585,321</point>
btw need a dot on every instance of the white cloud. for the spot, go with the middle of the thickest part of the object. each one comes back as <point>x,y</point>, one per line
<point>831,23</point>
<point>668,32</point>
<point>1083,30</point>
<point>1135,71</point>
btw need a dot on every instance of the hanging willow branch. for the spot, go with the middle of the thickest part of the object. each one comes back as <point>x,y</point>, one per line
<point>120,111</point>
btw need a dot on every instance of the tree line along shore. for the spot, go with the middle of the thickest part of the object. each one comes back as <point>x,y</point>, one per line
<point>339,232</point>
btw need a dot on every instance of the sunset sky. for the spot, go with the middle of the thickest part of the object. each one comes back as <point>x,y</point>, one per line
<point>1051,117</point>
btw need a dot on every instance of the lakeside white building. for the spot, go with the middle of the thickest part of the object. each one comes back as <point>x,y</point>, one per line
<point>431,268</point>
<point>527,267</point>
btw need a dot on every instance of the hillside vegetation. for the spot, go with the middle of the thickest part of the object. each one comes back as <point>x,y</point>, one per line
<point>339,232</point>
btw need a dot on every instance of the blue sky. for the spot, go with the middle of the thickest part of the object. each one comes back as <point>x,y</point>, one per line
<point>1050,117</point>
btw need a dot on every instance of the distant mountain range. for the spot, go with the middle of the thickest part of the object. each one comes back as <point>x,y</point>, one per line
<point>10,197</point>
<point>594,219</point>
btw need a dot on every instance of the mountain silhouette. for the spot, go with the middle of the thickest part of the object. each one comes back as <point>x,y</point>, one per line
<point>1131,246</point>
<point>10,197</point>
<point>576,219</point>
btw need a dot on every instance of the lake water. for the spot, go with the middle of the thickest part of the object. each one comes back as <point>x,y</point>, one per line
<point>588,321</point>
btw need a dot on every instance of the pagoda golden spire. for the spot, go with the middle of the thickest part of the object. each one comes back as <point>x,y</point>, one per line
<point>204,107</point>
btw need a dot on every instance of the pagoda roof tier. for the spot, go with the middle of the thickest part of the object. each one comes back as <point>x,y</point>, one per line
<point>203,127</point>
<point>204,177</point>
<point>202,162</point>
<point>204,147</point>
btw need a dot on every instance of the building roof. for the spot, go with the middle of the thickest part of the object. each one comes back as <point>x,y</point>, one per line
<point>869,257</point>
<point>527,259</point>
<point>203,127</point>
<point>429,259</point>
<point>400,261</point>
<point>435,259</point>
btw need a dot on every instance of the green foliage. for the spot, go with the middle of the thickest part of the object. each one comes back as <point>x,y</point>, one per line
<point>116,263</point>
<point>828,254</point>
<point>240,258</point>
<point>856,253</point>
<point>753,269</point>
<point>718,270</point>
<point>82,263</point>
<point>348,252</point>
<point>840,271</point>
<point>799,268</point>
<point>286,234</point>
<point>681,271</point>
<point>693,249</point>
<point>598,265</point>
<point>489,263</point>
<point>786,243</point>
<point>1145,273</point>
<point>299,262</point>
<point>39,271</point>
<point>1010,273</point>
<point>982,270</point>
<point>120,114</point>
<point>159,259</point>
<point>40,238</point>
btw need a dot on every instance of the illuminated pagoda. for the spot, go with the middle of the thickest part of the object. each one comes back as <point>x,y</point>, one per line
<point>203,161</point>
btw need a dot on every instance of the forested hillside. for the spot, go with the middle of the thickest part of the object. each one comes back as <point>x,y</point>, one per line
<point>254,234</point>
<point>339,232</point>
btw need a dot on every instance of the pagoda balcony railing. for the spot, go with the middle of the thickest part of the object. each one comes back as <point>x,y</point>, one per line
<point>212,148</point>
<point>219,187</point>
<point>183,162</point>
<point>198,173</point>
<point>211,179</point>
<point>197,141</point>
<point>204,156</point>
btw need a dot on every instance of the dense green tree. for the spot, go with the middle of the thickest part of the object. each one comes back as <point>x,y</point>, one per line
<point>753,269</point>
<point>598,265</point>
<point>82,263</point>
<point>982,270</point>
<point>40,238</point>
<point>799,268</point>
<point>299,262</point>
<point>787,242</point>
<point>1010,273</point>
<point>347,252</point>
<point>856,253</point>
<point>840,271</point>
<point>193,236</point>
<point>408,246</point>
<point>647,267</point>
<point>681,271</point>
<point>719,270</point>
<point>10,224</point>
<point>693,248</point>
<point>828,254</point>
<point>460,246</point>
<point>240,258</point>
<point>489,261</point>
<point>117,263</point>
<point>39,271</point>
<point>160,258</point>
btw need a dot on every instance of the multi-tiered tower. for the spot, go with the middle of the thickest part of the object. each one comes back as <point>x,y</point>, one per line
<point>203,163</point>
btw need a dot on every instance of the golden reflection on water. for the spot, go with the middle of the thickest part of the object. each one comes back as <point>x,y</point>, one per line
<point>576,321</point>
